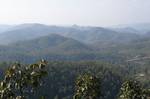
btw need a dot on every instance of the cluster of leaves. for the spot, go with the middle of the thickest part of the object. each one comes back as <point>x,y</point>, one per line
<point>87,87</point>
<point>20,80</point>
<point>147,92</point>
<point>132,90</point>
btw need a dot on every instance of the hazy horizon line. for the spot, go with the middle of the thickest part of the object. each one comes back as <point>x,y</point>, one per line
<point>26,23</point>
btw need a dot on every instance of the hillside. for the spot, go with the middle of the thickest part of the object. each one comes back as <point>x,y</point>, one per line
<point>136,51</point>
<point>53,43</point>
<point>52,47</point>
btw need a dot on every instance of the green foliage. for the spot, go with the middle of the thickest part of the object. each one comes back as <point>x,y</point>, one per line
<point>147,92</point>
<point>20,80</point>
<point>87,87</point>
<point>132,90</point>
<point>60,82</point>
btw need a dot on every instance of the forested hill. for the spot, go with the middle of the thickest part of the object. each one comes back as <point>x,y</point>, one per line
<point>51,45</point>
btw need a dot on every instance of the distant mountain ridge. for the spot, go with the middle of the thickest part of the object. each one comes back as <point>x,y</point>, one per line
<point>89,35</point>
<point>4,28</point>
<point>142,28</point>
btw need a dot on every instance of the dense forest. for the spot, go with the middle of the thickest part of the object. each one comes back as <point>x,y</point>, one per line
<point>60,80</point>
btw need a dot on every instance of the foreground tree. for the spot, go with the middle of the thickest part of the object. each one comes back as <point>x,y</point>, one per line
<point>132,90</point>
<point>147,93</point>
<point>87,87</point>
<point>21,80</point>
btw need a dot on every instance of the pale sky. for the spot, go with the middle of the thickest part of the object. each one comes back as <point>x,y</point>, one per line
<point>81,12</point>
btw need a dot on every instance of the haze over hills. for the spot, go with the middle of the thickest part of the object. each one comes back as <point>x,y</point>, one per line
<point>89,35</point>
<point>126,30</point>
<point>64,42</point>
<point>141,28</point>
<point>4,28</point>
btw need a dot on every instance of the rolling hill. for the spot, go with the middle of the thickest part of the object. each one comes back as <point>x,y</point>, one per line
<point>52,42</point>
<point>53,46</point>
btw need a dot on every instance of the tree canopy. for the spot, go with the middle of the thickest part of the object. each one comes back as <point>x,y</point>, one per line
<point>132,90</point>
<point>87,87</point>
<point>20,80</point>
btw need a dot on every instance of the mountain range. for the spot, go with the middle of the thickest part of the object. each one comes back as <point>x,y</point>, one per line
<point>19,42</point>
<point>89,35</point>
